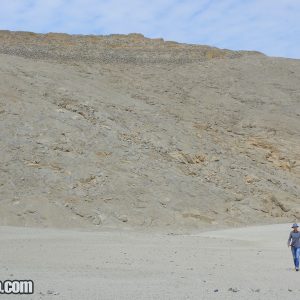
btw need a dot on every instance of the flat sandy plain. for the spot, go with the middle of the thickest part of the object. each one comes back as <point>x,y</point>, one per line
<point>241,263</point>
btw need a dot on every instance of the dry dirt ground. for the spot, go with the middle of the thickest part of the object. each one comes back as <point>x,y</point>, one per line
<point>122,131</point>
<point>245,263</point>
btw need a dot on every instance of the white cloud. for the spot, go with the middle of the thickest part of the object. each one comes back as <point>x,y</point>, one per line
<point>269,26</point>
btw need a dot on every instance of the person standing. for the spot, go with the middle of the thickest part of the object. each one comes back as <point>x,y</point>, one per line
<point>294,243</point>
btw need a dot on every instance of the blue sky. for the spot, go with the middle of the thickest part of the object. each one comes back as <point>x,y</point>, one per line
<point>269,26</point>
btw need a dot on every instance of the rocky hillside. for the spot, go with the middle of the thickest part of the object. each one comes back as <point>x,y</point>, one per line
<point>126,131</point>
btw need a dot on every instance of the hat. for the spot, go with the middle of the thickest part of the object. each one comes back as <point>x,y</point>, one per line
<point>295,225</point>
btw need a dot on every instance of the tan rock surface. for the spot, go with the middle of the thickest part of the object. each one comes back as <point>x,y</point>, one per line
<point>125,131</point>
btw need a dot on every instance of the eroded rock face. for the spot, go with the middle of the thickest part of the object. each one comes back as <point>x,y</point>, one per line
<point>125,131</point>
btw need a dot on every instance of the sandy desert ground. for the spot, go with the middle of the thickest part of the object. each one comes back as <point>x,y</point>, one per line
<point>243,263</point>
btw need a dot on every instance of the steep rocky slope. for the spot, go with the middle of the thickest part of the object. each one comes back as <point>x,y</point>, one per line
<point>125,131</point>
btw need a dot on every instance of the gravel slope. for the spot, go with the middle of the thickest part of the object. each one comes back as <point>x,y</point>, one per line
<point>129,132</point>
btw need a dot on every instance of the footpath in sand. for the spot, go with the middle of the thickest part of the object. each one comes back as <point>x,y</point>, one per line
<point>244,263</point>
